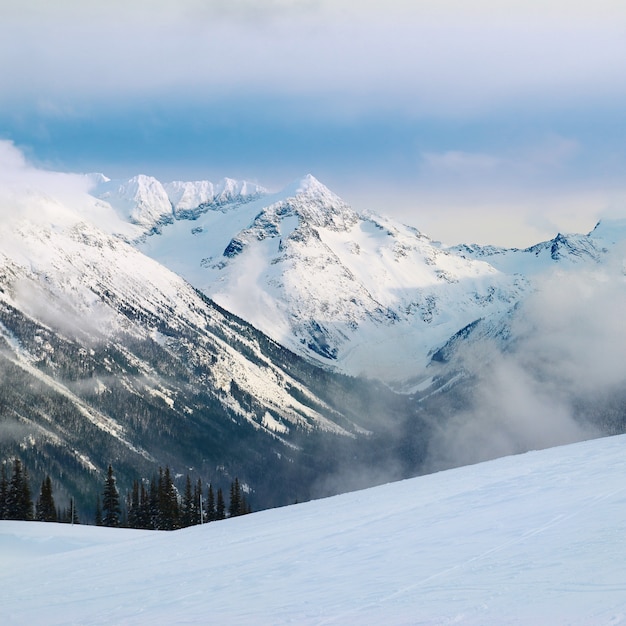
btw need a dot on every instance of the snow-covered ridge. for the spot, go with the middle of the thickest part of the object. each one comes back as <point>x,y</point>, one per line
<point>361,293</point>
<point>149,203</point>
<point>568,249</point>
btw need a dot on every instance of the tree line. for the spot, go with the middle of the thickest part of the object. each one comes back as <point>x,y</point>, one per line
<point>157,505</point>
<point>16,502</point>
<point>153,504</point>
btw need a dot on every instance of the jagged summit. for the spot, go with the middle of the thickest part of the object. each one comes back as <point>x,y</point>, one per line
<point>142,199</point>
<point>189,198</point>
<point>308,185</point>
<point>314,204</point>
<point>147,202</point>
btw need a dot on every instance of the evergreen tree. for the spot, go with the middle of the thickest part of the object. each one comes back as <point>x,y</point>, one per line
<point>168,502</point>
<point>45,509</point>
<point>26,498</point>
<point>110,501</point>
<point>238,502</point>
<point>19,504</point>
<point>171,513</point>
<point>188,516</point>
<point>210,505</point>
<point>197,498</point>
<point>220,508</point>
<point>153,501</point>
<point>234,508</point>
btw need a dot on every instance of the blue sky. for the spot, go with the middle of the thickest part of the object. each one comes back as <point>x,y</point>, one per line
<point>497,122</point>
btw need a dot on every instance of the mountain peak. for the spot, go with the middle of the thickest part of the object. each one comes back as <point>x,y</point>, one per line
<point>309,183</point>
<point>308,186</point>
<point>141,198</point>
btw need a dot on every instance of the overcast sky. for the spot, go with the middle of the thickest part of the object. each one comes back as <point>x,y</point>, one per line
<point>489,121</point>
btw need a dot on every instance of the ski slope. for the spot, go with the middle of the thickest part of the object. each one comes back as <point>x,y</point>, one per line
<point>533,539</point>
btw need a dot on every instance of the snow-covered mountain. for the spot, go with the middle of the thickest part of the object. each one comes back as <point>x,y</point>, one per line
<point>148,203</point>
<point>113,350</point>
<point>531,539</point>
<point>109,356</point>
<point>358,293</point>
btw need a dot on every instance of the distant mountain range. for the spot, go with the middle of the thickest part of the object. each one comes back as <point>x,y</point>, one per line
<point>227,331</point>
<point>357,293</point>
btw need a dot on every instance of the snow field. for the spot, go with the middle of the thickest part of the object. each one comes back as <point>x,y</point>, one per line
<point>532,539</point>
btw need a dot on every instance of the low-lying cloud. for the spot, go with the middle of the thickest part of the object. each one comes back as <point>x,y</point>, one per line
<point>564,360</point>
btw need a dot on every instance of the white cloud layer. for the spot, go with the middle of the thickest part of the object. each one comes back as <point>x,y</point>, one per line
<point>455,58</point>
<point>567,359</point>
<point>60,198</point>
<point>346,62</point>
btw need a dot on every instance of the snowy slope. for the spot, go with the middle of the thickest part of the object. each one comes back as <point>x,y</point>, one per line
<point>360,293</point>
<point>76,278</point>
<point>530,539</point>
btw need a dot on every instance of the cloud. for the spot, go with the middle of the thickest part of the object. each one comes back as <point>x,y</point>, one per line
<point>12,160</point>
<point>560,373</point>
<point>513,194</point>
<point>543,160</point>
<point>49,197</point>
<point>28,191</point>
<point>405,56</point>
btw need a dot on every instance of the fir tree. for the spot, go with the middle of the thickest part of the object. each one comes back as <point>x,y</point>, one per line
<point>153,501</point>
<point>188,515</point>
<point>210,505</point>
<point>110,501</point>
<point>168,502</point>
<point>19,504</point>
<point>26,498</point>
<point>197,498</point>
<point>220,508</point>
<point>171,512</point>
<point>238,502</point>
<point>45,509</point>
<point>234,509</point>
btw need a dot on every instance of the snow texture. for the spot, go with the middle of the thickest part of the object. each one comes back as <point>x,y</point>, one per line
<point>530,539</point>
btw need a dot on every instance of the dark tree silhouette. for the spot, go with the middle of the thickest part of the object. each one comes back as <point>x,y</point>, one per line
<point>110,501</point>
<point>45,509</point>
